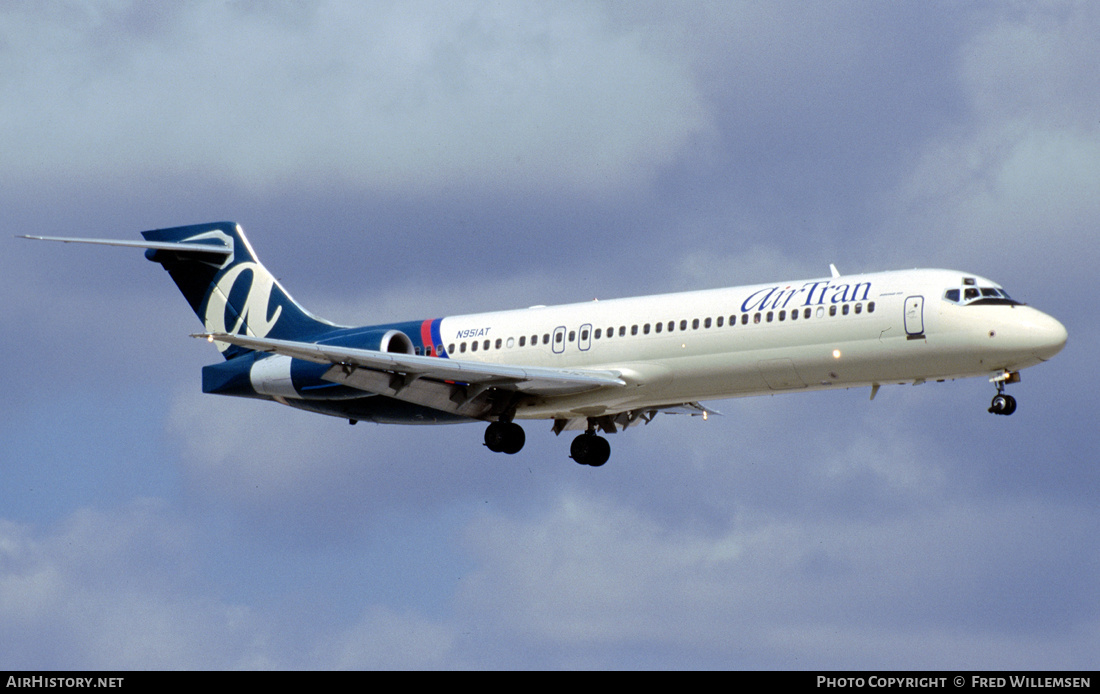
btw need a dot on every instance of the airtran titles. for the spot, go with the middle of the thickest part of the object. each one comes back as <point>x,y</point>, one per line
<point>809,294</point>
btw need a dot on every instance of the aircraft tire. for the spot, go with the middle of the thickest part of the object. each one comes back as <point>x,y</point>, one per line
<point>1002,404</point>
<point>494,437</point>
<point>504,437</point>
<point>514,438</point>
<point>591,450</point>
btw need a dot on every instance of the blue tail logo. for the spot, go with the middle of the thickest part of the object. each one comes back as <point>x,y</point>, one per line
<point>232,293</point>
<point>252,316</point>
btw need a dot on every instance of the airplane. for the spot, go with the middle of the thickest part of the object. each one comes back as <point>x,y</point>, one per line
<point>597,366</point>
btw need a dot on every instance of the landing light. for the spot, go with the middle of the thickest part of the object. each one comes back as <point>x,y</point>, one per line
<point>836,354</point>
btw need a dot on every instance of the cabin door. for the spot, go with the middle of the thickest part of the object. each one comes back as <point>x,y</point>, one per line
<point>914,315</point>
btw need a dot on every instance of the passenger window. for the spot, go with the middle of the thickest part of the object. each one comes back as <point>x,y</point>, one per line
<point>486,345</point>
<point>794,314</point>
<point>497,344</point>
<point>572,334</point>
<point>511,342</point>
<point>451,348</point>
<point>718,321</point>
<point>844,309</point>
<point>782,315</point>
<point>633,330</point>
<point>671,325</point>
<point>820,311</point>
<point>546,338</point>
<point>859,309</point>
<point>683,325</point>
<point>806,313</point>
<point>706,323</point>
<point>871,307</point>
<point>770,315</point>
<point>756,318</point>
<point>522,340</point>
<point>558,337</point>
<point>598,333</point>
<point>695,324</point>
<point>832,310</point>
<point>622,331</point>
<point>659,327</point>
<point>744,319</point>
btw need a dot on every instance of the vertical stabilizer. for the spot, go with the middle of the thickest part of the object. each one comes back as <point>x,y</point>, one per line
<point>231,293</point>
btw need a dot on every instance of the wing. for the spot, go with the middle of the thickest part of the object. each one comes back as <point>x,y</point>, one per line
<point>401,375</point>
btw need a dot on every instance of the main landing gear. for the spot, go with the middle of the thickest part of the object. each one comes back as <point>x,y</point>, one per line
<point>590,449</point>
<point>504,437</point>
<point>1004,404</point>
<point>587,449</point>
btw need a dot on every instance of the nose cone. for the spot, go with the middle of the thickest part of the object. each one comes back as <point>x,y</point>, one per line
<point>1047,335</point>
<point>1021,336</point>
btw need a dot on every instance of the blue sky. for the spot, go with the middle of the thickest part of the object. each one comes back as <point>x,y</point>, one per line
<point>396,161</point>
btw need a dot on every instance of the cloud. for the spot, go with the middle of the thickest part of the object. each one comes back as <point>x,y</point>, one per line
<point>385,640</point>
<point>113,590</point>
<point>1012,185</point>
<point>382,96</point>
<point>583,580</point>
<point>591,574</point>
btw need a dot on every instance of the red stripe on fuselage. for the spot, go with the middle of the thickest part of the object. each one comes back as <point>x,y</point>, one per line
<point>426,336</point>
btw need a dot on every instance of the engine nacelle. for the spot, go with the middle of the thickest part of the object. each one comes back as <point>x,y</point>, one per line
<point>396,342</point>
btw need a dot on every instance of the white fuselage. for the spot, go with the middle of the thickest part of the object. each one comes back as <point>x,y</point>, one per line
<point>860,330</point>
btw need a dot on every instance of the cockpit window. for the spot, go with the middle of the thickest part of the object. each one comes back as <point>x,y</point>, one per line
<point>971,295</point>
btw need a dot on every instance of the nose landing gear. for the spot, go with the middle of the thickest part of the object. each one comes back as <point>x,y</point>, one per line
<point>1002,403</point>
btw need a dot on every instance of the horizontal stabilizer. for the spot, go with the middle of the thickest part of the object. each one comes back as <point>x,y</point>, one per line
<point>214,248</point>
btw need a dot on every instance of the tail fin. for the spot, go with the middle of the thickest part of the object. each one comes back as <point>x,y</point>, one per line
<point>231,293</point>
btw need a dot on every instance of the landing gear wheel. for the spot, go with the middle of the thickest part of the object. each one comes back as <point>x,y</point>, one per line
<point>1003,404</point>
<point>589,449</point>
<point>998,405</point>
<point>504,437</point>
